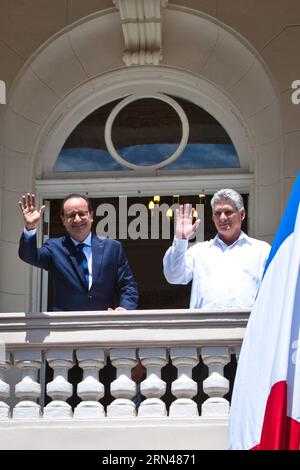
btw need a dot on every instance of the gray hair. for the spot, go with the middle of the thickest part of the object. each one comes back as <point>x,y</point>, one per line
<point>232,195</point>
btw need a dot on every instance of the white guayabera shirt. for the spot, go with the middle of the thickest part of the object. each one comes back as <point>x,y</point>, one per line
<point>223,276</point>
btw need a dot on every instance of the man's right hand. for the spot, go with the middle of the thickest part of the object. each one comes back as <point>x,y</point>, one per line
<point>31,214</point>
<point>185,228</point>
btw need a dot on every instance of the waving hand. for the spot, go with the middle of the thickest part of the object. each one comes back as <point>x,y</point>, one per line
<point>31,214</point>
<point>185,228</point>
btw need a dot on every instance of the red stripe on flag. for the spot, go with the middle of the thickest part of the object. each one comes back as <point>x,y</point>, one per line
<point>293,427</point>
<point>279,432</point>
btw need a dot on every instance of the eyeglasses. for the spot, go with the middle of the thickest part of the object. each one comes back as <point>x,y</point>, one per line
<point>227,213</point>
<point>72,215</point>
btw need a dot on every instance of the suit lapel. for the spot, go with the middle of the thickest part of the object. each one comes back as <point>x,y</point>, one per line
<point>72,255</point>
<point>97,255</point>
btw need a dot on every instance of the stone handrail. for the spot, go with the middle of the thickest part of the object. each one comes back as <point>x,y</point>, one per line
<point>184,339</point>
<point>142,327</point>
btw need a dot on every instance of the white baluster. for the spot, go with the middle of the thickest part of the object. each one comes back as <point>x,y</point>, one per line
<point>153,387</point>
<point>184,388</point>
<point>61,360</point>
<point>5,364</point>
<point>216,385</point>
<point>28,389</point>
<point>237,353</point>
<point>90,389</point>
<point>123,388</point>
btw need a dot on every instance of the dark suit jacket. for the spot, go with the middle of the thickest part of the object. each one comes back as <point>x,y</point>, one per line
<point>113,282</point>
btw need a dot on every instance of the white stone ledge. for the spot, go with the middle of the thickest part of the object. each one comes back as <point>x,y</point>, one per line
<point>138,328</point>
<point>134,433</point>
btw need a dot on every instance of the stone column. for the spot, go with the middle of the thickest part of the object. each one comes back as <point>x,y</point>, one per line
<point>216,385</point>
<point>153,388</point>
<point>90,389</point>
<point>28,389</point>
<point>61,360</point>
<point>5,364</point>
<point>123,388</point>
<point>237,353</point>
<point>184,387</point>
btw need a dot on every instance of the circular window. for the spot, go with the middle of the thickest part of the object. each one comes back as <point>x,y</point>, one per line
<point>146,156</point>
<point>147,132</point>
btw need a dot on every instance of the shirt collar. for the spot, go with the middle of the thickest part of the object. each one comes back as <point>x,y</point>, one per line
<point>87,241</point>
<point>242,238</point>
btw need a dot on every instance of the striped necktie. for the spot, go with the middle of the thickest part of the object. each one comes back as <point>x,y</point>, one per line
<point>82,260</point>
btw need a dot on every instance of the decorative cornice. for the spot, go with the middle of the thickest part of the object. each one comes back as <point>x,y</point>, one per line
<point>142,30</point>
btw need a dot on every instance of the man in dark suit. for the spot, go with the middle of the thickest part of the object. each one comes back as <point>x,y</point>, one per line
<point>89,272</point>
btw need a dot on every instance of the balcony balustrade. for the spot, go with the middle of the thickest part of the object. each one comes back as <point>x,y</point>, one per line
<point>188,358</point>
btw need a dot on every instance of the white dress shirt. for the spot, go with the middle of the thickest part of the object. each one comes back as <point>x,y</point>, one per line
<point>223,276</point>
<point>87,249</point>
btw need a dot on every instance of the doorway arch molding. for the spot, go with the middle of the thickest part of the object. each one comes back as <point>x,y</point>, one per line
<point>203,59</point>
<point>113,85</point>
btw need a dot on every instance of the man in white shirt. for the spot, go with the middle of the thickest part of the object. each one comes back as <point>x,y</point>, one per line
<point>227,270</point>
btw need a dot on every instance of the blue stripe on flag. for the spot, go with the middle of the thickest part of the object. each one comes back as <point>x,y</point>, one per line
<point>288,220</point>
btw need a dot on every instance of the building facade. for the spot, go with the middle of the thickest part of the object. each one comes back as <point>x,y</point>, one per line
<point>222,72</point>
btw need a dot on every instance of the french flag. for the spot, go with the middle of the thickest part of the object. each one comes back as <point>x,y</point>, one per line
<point>265,407</point>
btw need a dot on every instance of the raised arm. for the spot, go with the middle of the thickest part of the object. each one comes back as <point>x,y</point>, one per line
<point>28,250</point>
<point>31,214</point>
<point>178,263</point>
